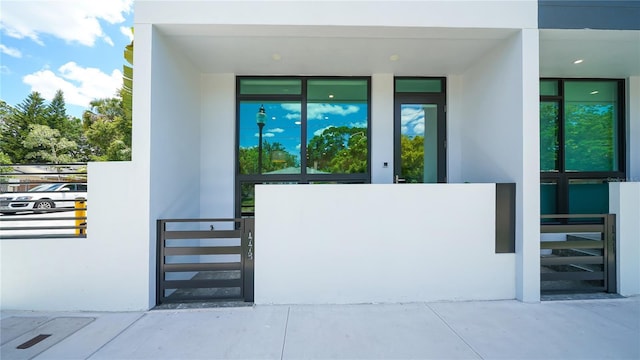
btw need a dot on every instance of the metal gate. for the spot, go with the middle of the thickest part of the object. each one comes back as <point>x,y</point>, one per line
<point>202,260</point>
<point>577,253</point>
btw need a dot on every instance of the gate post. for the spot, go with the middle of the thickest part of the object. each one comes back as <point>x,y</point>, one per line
<point>248,257</point>
<point>610,252</point>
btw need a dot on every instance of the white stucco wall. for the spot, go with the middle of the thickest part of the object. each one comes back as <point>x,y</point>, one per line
<point>499,125</point>
<point>217,145</point>
<point>382,124</point>
<point>436,13</point>
<point>378,243</point>
<point>624,201</point>
<point>107,271</point>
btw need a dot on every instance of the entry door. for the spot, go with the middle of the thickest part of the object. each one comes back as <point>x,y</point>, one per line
<point>420,139</point>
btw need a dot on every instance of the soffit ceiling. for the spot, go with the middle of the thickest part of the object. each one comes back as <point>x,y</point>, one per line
<point>309,50</point>
<point>606,53</point>
<point>337,50</point>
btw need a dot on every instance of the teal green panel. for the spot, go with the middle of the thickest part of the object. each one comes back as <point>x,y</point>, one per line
<point>270,86</point>
<point>548,87</point>
<point>588,197</point>
<point>548,198</point>
<point>418,85</point>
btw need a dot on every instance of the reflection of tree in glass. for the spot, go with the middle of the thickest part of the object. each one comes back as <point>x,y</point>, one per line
<point>548,136</point>
<point>339,149</point>
<point>412,160</point>
<point>589,140</point>
<point>274,157</point>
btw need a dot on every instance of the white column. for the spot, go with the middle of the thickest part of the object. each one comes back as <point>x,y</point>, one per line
<point>381,128</point>
<point>624,201</point>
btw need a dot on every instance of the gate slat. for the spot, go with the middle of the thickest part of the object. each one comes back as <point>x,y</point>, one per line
<point>203,267</point>
<point>567,260</point>
<point>199,284</point>
<point>582,275</point>
<point>582,244</point>
<point>203,234</point>
<point>204,250</point>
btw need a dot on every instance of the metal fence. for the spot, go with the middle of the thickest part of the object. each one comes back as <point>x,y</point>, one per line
<point>578,253</point>
<point>43,201</point>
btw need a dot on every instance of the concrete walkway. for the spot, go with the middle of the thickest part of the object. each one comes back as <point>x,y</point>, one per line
<point>582,329</point>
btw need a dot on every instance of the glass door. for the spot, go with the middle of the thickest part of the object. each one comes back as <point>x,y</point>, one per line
<point>420,138</point>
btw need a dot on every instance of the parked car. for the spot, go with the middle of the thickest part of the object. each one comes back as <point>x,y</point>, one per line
<point>43,197</point>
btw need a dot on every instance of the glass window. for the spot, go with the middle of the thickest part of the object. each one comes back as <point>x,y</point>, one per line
<point>417,85</point>
<point>280,134</point>
<point>590,125</point>
<point>549,135</point>
<point>270,86</point>
<point>548,87</point>
<point>337,126</point>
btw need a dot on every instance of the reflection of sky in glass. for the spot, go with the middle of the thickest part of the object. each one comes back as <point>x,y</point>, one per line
<point>412,120</point>
<point>283,121</point>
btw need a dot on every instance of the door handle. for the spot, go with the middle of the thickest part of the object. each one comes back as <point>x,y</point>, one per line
<point>398,180</point>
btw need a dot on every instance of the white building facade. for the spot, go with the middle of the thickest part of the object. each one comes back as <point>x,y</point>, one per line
<point>350,239</point>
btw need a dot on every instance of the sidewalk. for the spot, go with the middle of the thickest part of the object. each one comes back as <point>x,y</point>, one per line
<point>579,329</point>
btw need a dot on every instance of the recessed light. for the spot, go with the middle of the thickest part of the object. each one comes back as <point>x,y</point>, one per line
<point>297,122</point>
<point>276,57</point>
<point>578,61</point>
<point>394,57</point>
<point>594,92</point>
<point>273,118</point>
<point>330,96</point>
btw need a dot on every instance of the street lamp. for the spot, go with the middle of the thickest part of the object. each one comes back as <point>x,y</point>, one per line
<point>261,117</point>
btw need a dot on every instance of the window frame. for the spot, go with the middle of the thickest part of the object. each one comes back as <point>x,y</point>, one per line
<point>303,177</point>
<point>561,176</point>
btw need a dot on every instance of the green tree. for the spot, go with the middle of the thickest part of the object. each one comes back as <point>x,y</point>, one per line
<point>15,127</point>
<point>589,137</point>
<point>274,157</point>
<point>412,162</point>
<point>108,129</point>
<point>339,149</point>
<point>47,145</point>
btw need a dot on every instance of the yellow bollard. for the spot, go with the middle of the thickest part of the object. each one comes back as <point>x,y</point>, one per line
<point>81,215</point>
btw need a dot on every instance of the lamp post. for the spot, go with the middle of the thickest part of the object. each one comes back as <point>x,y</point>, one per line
<point>261,117</point>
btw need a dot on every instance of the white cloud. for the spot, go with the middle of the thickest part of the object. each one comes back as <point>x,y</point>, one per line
<point>275,130</point>
<point>80,85</point>
<point>10,51</point>
<point>265,135</point>
<point>70,20</point>
<point>319,132</point>
<point>126,31</point>
<point>412,117</point>
<point>320,111</point>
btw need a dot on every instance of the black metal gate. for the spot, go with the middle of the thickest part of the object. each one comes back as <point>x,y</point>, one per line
<point>202,260</point>
<point>577,254</point>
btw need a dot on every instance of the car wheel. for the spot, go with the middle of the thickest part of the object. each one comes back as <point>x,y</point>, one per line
<point>44,205</point>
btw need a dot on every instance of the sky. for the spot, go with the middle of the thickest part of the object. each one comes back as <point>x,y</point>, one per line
<point>73,45</point>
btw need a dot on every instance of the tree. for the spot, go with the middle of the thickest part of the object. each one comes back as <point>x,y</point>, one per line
<point>108,129</point>
<point>339,149</point>
<point>16,126</point>
<point>274,157</point>
<point>48,145</point>
<point>412,162</point>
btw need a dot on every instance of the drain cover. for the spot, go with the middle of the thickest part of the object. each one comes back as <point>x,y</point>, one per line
<point>41,336</point>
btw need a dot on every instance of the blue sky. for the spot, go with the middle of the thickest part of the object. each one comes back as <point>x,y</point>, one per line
<point>73,45</point>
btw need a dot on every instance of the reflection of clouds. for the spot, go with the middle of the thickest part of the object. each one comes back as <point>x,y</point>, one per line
<point>298,146</point>
<point>319,111</point>
<point>412,118</point>
<point>266,135</point>
<point>275,130</point>
<point>320,131</point>
<point>362,124</point>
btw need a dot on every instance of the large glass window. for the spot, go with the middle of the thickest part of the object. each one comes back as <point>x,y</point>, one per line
<point>300,130</point>
<point>581,132</point>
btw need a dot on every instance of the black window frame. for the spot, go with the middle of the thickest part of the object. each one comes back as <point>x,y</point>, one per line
<point>561,176</point>
<point>303,177</point>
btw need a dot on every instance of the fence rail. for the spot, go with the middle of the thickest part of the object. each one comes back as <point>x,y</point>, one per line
<point>43,201</point>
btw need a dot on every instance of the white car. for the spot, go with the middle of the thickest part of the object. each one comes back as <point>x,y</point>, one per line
<point>43,197</point>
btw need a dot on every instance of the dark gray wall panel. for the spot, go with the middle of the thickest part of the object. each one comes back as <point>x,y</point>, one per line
<point>580,14</point>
